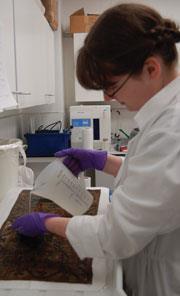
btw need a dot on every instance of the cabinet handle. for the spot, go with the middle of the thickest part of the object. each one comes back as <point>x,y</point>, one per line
<point>49,95</point>
<point>21,93</point>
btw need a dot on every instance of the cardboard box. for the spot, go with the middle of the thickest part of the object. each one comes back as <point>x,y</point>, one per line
<point>79,22</point>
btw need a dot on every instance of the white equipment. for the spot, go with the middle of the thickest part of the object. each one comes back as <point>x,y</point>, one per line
<point>97,117</point>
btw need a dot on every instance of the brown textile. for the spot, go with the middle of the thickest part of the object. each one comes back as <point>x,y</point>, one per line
<point>48,258</point>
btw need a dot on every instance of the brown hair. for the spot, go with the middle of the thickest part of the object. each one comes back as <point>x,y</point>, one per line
<point>121,40</point>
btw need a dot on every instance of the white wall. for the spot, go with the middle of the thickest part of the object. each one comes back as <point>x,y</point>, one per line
<point>170,8</point>
<point>9,127</point>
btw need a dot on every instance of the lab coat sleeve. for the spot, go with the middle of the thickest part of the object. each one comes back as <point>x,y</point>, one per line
<point>145,205</point>
<point>85,245</point>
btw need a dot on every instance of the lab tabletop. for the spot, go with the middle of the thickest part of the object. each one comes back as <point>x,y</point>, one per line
<point>107,274</point>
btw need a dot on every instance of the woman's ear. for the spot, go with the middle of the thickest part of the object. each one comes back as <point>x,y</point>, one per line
<point>152,67</point>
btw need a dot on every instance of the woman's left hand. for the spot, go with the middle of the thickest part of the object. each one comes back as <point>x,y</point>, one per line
<point>32,224</point>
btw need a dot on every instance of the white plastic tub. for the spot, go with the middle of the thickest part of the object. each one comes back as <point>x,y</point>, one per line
<point>9,164</point>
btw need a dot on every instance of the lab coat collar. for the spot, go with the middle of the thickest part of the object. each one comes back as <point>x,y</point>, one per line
<point>158,102</point>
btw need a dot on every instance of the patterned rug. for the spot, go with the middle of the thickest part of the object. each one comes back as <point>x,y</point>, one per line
<point>44,258</point>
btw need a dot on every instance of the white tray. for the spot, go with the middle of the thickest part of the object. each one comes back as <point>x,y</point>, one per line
<point>101,268</point>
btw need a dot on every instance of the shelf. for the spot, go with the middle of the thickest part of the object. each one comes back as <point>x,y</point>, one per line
<point>40,159</point>
<point>67,34</point>
<point>116,105</point>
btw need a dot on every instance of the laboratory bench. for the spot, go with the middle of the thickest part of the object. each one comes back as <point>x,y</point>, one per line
<point>107,274</point>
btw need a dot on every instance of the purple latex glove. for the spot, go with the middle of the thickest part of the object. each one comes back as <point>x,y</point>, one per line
<point>78,160</point>
<point>32,224</point>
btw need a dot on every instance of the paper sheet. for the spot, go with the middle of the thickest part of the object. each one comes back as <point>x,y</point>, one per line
<point>6,98</point>
<point>99,265</point>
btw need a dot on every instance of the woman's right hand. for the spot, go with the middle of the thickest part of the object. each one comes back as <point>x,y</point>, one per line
<point>78,160</point>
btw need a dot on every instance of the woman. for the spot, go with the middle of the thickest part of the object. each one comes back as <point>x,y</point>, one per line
<point>130,54</point>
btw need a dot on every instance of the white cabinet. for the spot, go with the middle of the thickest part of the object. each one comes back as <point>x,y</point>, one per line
<point>82,94</point>
<point>28,52</point>
<point>7,34</point>
<point>34,54</point>
<point>50,67</point>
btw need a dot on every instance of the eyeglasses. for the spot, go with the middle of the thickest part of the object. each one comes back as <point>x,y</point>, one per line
<point>116,91</point>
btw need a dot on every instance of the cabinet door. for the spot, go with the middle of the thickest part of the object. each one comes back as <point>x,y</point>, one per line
<point>30,41</point>
<point>82,94</point>
<point>6,22</point>
<point>50,66</point>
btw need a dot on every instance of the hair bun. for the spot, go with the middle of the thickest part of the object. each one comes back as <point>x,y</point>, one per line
<point>169,24</point>
<point>168,32</point>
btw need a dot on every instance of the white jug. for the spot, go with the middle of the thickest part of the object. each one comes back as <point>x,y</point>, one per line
<point>9,164</point>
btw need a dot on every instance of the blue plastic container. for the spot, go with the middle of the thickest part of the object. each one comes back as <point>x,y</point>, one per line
<point>46,143</point>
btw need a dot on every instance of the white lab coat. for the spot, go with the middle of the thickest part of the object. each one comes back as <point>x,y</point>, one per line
<point>142,224</point>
